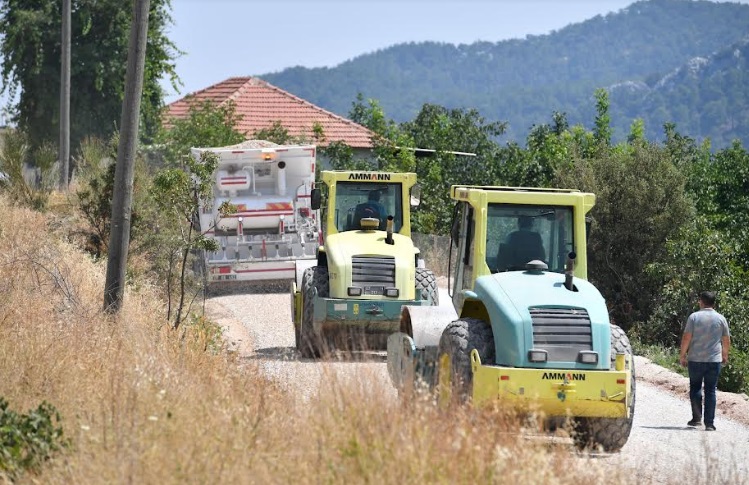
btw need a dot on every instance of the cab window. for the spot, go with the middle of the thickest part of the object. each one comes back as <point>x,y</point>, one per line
<point>354,201</point>
<point>517,234</point>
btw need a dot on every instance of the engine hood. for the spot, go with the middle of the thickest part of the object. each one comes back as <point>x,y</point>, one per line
<point>525,289</point>
<point>342,247</point>
<point>508,298</point>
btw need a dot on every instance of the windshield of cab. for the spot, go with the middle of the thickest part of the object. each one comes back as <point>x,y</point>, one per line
<point>517,234</point>
<point>354,201</point>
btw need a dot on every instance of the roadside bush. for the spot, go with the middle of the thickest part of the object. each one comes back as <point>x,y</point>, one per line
<point>27,185</point>
<point>27,440</point>
<point>93,157</point>
<point>95,204</point>
<point>664,356</point>
<point>734,377</point>
<point>97,165</point>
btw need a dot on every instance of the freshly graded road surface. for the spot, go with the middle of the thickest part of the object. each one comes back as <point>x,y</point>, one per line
<point>661,448</point>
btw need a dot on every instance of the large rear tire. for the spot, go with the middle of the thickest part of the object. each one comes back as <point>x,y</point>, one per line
<point>426,286</point>
<point>454,374</point>
<point>310,343</point>
<point>609,434</point>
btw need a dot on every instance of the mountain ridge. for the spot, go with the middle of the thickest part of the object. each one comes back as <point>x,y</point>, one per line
<point>523,81</point>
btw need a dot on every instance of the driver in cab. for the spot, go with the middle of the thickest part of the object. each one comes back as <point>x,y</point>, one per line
<point>372,208</point>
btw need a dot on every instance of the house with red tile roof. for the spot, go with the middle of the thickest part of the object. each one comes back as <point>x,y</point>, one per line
<point>260,105</point>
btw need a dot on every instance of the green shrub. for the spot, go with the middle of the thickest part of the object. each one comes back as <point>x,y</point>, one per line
<point>29,186</point>
<point>734,377</point>
<point>661,355</point>
<point>27,440</point>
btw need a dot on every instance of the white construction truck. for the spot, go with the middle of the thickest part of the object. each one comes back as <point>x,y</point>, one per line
<point>272,228</point>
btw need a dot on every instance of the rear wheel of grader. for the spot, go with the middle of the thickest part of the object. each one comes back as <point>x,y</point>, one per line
<point>454,375</point>
<point>426,286</point>
<point>310,344</point>
<point>609,434</point>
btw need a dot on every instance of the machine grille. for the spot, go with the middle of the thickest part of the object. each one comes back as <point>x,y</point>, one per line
<point>373,272</point>
<point>562,332</point>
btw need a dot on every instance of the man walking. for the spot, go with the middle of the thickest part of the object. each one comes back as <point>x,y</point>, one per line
<point>704,348</point>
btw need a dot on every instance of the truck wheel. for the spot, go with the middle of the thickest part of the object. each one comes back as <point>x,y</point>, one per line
<point>609,434</point>
<point>426,286</point>
<point>316,277</point>
<point>454,374</point>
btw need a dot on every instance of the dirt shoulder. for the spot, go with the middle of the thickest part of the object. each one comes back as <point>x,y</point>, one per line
<point>734,406</point>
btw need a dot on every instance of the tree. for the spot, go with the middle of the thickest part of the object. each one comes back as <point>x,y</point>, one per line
<point>640,203</point>
<point>177,193</point>
<point>64,147</point>
<point>447,131</point>
<point>602,132</point>
<point>122,197</point>
<point>206,125</point>
<point>30,32</point>
<point>710,253</point>
<point>390,143</point>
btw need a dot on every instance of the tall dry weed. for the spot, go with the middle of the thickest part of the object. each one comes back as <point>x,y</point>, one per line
<point>140,402</point>
<point>144,404</point>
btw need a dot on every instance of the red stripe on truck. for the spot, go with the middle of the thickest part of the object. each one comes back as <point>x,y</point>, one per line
<point>264,213</point>
<point>262,270</point>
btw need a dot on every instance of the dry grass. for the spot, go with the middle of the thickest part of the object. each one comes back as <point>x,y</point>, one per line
<point>142,404</point>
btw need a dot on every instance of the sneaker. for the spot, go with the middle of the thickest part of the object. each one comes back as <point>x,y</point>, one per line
<point>694,422</point>
<point>709,427</point>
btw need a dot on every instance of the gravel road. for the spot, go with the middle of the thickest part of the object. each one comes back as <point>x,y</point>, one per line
<point>661,448</point>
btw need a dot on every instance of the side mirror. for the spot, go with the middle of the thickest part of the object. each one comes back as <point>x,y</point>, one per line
<point>415,195</point>
<point>315,199</point>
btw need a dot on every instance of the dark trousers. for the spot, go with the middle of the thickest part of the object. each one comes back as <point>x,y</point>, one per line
<point>708,373</point>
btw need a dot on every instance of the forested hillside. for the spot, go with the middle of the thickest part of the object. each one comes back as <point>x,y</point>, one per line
<point>646,54</point>
<point>705,97</point>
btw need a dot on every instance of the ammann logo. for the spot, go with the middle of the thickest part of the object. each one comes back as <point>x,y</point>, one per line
<point>554,376</point>
<point>369,176</point>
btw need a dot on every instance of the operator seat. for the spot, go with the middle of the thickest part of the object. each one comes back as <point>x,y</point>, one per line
<point>521,246</point>
<point>368,209</point>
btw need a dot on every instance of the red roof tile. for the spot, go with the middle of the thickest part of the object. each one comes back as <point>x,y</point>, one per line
<point>260,104</point>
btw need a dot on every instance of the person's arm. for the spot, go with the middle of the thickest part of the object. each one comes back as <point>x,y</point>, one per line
<point>686,339</point>
<point>726,342</point>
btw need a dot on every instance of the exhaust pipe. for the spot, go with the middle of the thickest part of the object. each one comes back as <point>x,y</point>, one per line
<point>389,237</point>
<point>569,266</point>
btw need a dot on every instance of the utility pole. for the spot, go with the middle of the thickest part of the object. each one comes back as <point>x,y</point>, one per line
<point>64,153</point>
<point>122,199</point>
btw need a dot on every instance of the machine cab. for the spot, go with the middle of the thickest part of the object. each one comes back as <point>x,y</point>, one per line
<point>501,229</point>
<point>354,196</point>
